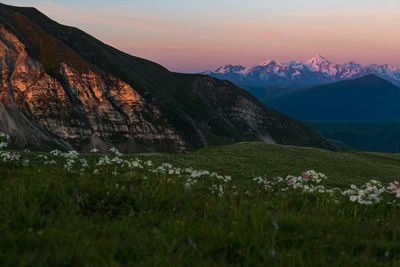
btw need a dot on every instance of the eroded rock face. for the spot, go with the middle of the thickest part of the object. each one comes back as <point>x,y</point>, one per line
<point>244,113</point>
<point>76,107</point>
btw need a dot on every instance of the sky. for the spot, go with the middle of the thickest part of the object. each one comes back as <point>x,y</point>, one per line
<point>197,35</point>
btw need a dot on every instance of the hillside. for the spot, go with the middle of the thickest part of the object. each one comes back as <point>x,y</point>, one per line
<point>368,98</point>
<point>63,88</point>
<point>364,136</point>
<point>245,160</point>
<point>72,209</point>
<point>263,93</point>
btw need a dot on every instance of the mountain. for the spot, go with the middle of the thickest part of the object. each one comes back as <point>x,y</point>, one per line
<point>263,93</point>
<point>368,98</point>
<point>60,87</point>
<point>364,136</point>
<point>296,74</point>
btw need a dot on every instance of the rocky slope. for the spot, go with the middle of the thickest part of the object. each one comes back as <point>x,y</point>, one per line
<point>60,87</point>
<point>296,74</point>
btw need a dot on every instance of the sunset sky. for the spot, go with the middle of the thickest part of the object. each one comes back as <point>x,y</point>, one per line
<point>196,35</point>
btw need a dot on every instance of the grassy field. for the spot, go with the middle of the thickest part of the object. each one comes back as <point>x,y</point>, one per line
<point>68,209</point>
<point>244,161</point>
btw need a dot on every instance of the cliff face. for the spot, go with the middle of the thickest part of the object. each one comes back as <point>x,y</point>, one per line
<point>78,107</point>
<point>60,87</point>
<point>244,113</point>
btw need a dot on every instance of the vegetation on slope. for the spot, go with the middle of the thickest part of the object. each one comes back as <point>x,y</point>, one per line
<point>264,93</point>
<point>245,160</point>
<point>70,209</point>
<point>50,51</point>
<point>365,136</point>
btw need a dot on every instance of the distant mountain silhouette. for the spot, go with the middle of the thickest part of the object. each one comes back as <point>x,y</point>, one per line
<point>364,99</point>
<point>364,136</point>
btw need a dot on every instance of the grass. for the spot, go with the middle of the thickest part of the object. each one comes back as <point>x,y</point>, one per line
<point>132,216</point>
<point>247,160</point>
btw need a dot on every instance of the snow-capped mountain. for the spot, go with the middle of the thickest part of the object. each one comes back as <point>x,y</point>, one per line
<point>296,74</point>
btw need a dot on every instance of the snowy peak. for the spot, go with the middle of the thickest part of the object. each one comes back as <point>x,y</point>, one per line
<point>269,62</point>
<point>295,64</point>
<point>295,74</point>
<point>317,60</point>
<point>353,64</point>
<point>230,69</point>
<point>385,67</point>
<point>319,63</point>
<point>269,65</point>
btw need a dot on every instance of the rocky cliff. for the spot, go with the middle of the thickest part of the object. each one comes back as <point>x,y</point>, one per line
<point>62,88</point>
<point>79,108</point>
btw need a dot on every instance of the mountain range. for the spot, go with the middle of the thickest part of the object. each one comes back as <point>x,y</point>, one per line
<point>62,88</point>
<point>297,74</point>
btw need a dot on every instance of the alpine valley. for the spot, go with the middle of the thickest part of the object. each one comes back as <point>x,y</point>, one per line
<point>62,88</point>
<point>353,105</point>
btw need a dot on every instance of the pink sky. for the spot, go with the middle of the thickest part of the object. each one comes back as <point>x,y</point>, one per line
<point>196,35</point>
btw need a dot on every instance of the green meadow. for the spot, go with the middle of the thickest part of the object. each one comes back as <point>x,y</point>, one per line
<point>66,209</point>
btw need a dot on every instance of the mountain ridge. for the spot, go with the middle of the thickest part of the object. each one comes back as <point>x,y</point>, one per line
<point>369,98</point>
<point>88,94</point>
<point>297,74</point>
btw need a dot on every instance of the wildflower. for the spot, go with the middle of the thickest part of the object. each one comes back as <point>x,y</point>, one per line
<point>71,154</point>
<point>94,150</point>
<point>55,152</point>
<point>353,198</point>
<point>4,136</point>
<point>115,151</point>
<point>3,145</point>
<point>15,157</point>
<point>275,224</point>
